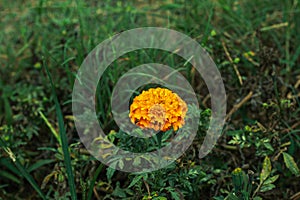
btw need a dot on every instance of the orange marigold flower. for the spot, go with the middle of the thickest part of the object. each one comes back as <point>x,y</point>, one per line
<point>158,109</point>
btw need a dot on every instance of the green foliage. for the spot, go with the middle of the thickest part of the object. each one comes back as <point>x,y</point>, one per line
<point>63,139</point>
<point>243,183</point>
<point>290,163</point>
<point>41,155</point>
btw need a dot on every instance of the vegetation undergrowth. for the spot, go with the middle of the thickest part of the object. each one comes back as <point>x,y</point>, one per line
<point>256,46</point>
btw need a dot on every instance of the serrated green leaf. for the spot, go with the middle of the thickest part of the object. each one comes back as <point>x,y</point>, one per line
<point>267,187</point>
<point>291,164</point>
<point>269,146</point>
<point>257,198</point>
<point>266,170</point>
<point>271,179</point>
<point>135,180</point>
<point>119,192</point>
<point>175,195</point>
<point>109,173</point>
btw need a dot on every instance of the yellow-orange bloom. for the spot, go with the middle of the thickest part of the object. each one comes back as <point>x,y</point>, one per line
<point>158,109</point>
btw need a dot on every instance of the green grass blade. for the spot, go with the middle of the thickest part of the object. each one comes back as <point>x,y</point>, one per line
<point>9,176</point>
<point>53,131</point>
<point>39,164</point>
<point>22,169</point>
<point>29,178</point>
<point>63,138</point>
<point>90,192</point>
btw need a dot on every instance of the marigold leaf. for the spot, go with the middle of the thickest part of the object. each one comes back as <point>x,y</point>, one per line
<point>266,170</point>
<point>271,179</point>
<point>109,173</point>
<point>291,164</point>
<point>135,180</point>
<point>267,187</point>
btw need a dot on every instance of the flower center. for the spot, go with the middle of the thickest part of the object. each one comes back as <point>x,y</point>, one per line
<point>157,114</point>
